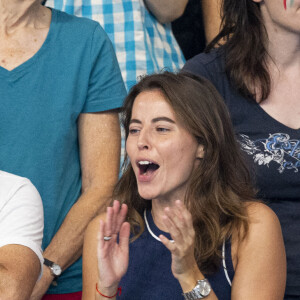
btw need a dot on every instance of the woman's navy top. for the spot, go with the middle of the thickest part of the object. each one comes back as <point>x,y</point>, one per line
<point>149,275</point>
<point>272,151</point>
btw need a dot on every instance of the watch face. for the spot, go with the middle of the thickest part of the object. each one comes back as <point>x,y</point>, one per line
<point>56,269</point>
<point>205,287</point>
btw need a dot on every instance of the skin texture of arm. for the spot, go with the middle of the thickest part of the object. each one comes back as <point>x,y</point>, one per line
<point>166,11</point>
<point>259,260</point>
<point>99,142</point>
<point>89,262</point>
<point>17,262</point>
<point>212,18</point>
<point>260,271</point>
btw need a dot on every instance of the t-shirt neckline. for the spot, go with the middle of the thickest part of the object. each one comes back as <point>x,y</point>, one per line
<point>278,123</point>
<point>17,71</point>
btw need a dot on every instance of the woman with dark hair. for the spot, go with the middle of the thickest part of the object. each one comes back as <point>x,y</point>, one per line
<point>187,204</point>
<point>255,71</point>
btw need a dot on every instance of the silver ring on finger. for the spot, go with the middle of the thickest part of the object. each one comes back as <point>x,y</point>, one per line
<point>106,238</point>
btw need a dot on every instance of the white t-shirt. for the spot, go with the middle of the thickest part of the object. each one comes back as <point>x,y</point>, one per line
<point>21,214</point>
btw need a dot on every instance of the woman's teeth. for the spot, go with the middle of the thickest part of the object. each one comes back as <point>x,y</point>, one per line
<point>147,166</point>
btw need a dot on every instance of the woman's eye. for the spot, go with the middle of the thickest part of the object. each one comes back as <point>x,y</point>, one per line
<point>133,131</point>
<point>162,129</point>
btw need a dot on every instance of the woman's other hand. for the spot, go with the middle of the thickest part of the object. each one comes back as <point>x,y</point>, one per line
<point>113,254</point>
<point>184,266</point>
<point>105,262</point>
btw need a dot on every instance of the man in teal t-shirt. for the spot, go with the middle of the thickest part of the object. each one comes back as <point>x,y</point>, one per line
<point>58,128</point>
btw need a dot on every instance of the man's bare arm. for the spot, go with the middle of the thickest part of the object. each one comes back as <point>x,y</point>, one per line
<point>99,140</point>
<point>19,270</point>
<point>212,18</point>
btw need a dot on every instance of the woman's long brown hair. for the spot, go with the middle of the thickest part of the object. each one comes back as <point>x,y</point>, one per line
<point>245,48</point>
<point>220,185</point>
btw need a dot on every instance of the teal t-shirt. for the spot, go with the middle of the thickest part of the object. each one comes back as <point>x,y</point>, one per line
<point>75,71</point>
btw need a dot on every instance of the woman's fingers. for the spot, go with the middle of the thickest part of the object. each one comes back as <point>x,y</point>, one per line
<point>102,245</point>
<point>109,221</point>
<point>179,222</point>
<point>115,210</point>
<point>101,234</point>
<point>182,219</point>
<point>121,217</point>
<point>170,222</point>
<point>124,236</point>
<point>171,246</point>
<point>117,217</point>
<point>186,215</point>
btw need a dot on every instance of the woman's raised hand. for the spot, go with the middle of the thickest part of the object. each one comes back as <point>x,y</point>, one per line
<point>179,222</point>
<point>113,254</point>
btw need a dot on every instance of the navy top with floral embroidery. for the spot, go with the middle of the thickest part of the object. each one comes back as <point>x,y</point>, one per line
<point>273,152</point>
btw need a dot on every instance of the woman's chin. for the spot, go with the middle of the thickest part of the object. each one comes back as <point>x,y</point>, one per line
<point>147,194</point>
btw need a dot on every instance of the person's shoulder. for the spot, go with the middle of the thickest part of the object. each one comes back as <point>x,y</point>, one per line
<point>263,227</point>
<point>64,17</point>
<point>76,26</point>
<point>206,64</point>
<point>13,187</point>
<point>260,257</point>
<point>9,181</point>
<point>259,213</point>
<point>261,221</point>
<point>213,57</point>
<point>207,57</point>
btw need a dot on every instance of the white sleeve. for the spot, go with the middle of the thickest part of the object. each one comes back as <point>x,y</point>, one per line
<point>22,218</point>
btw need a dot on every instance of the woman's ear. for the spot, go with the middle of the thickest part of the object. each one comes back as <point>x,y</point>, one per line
<point>200,151</point>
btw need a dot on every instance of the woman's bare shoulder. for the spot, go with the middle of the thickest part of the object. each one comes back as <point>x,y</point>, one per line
<point>260,213</point>
<point>260,257</point>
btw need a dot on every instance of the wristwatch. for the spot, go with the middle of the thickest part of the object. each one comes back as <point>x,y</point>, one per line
<point>200,291</point>
<point>55,269</point>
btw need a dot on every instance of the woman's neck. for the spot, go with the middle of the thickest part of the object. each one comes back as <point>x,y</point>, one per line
<point>157,212</point>
<point>283,45</point>
<point>16,14</point>
<point>284,50</point>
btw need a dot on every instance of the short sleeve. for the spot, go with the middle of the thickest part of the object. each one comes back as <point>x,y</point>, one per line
<point>22,218</point>
<point>106,89</point>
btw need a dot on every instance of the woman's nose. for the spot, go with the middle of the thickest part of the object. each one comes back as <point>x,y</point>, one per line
<point>143,140</point>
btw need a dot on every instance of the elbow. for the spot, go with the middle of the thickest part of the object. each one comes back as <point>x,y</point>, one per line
<point>9,293</point>
<point>12,288</point>
<point>166,11</point>
<point>170,15</point>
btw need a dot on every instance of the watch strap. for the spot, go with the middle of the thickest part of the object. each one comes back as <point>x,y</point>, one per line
<point>48,262</point>
<point>55,269</point>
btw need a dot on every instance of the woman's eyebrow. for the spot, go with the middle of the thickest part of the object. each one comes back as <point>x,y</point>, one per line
<point>135,121</point>
<point>153,120</point>
<point>162,119</point>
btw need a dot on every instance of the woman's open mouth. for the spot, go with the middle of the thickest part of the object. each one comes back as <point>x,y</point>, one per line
<point>147,169</point>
